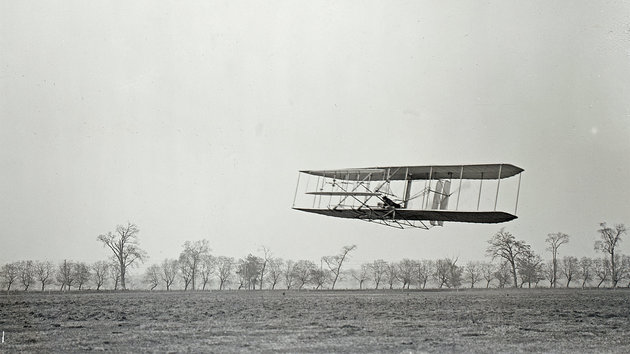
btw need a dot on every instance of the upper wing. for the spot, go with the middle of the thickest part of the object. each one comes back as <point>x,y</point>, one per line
<point>483,171</point>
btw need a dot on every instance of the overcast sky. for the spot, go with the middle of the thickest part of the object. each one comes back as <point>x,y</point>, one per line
<point>191,119</point>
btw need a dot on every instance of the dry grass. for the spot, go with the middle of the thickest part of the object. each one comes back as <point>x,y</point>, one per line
<point>319,321</point>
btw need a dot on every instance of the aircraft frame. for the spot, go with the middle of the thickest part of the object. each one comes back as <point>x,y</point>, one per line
<point>384,195</point>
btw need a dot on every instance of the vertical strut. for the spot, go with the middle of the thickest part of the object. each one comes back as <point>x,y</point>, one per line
<point>480,185</point>
<point>429,190</point>
<point>407,192</point>
<point>518,191</point>
<point>296,189</point>
<point>496,198</point>
<point>459,191</point>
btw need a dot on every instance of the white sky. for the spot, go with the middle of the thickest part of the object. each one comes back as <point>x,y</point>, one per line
<point>191,119</point>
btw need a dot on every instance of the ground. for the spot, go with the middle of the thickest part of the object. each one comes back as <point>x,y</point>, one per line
<point>515,320</point>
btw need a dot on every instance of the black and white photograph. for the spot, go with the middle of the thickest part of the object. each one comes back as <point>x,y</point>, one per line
<point>373,176</point>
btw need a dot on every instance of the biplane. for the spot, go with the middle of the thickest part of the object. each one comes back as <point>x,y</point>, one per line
<point>408,196</point>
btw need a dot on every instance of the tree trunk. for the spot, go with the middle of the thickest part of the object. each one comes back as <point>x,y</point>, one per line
<point>122,276</point>
<point>514,274</point>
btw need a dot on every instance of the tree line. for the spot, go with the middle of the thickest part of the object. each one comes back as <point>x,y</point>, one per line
<point>512,263</point>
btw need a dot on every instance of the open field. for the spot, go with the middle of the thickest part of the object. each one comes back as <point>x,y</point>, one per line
<point>538,320</point>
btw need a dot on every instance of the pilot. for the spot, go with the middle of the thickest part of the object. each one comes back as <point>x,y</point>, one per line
<point>390,203</point>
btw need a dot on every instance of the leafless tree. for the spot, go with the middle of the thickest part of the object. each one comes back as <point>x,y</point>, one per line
<point>378,268</point>
<point>503,274</point>
<point>530,268</point>
<point>114,272</point>
<point>406,272</point>
<point>100,269</point>
<point>361,275</point>
<point>152,276</point>
<point>275,271</point>
<point>391,274</point>
<point>248,270</point>
<point>207,269</point>
<point>82,274</point>
<point>472,272</point>
<point>504,245</point>
<point>65,274</point>
<point>123,243</point>
<point>555,241</point>
<point>185,272</point>
<point>448,273</point>
<point>44,272</point>
<point>586,270</point>
<point>302,272</point>
<point>27,273</point>
<point>263,267</point>
<point>191,257</point>
<point>10,273</point>
<point>168,272</point>
<point>225,267</point>
<point>601,267</point>
<point>319,277</point>
<point>569,268</point>
<point>610,238</point>
<point>334,263</point>
<point>289,273</point>
<point>488,271</point>
<point>424,269</point>
<point>548,272</point>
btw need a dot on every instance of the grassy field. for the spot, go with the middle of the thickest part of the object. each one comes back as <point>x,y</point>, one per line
<point>540,320</point>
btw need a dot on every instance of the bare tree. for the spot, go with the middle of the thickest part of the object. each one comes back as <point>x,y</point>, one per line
<point>152,276</point>
<point>82,274</point>
<point>100,269</point>
<point>424,269</point>
<point>248,271</point>
<point>504,245</point>
<point>601,267</point>
<point>530,268</point>
<point>586,270</point>
<point>263,267</point>
<point>190,259</point>
<point>123,243</point>
<point>335,263</point>
<point>488,271</point>
<point>569,267</point>
<point>65,274</point>
<point>406,272</point>
<point>472,272</point>
<point>185,272</point>
<point>114,272</point>
<point>361,275</point>
<point>44,272</point>
<point>440,273</point>
<point>555,241</point>
<point>503,274</point>
<point>303,270</point>
<point>27,273</point>
<point>168,272</point>
<point>391,274</point>
<point>448,273</point>
<point>275,271</point>
<point>207,269</point>
<point>10,273</point>
<point>378,268</point>
<point>319,277</point>
<point>289,273</point>
<point>225,266</point>
<point>610,238</point>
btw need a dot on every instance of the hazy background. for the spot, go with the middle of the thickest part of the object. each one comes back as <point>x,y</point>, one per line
<point>191,119</point>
